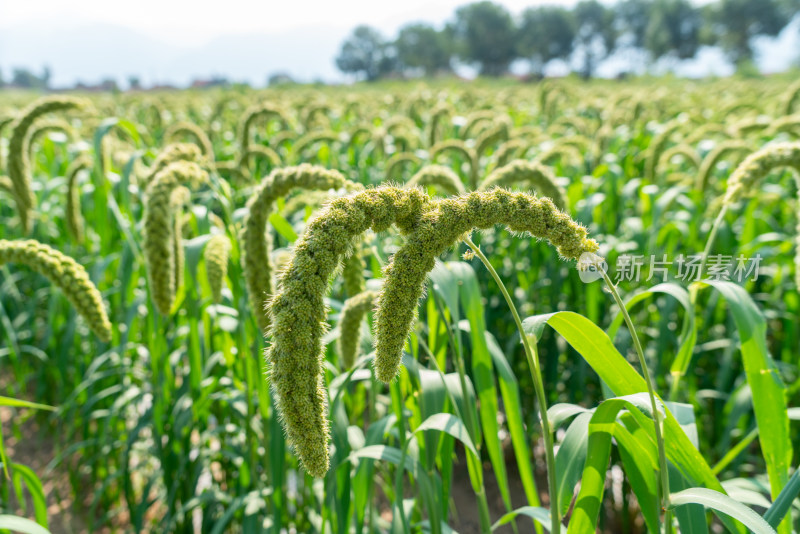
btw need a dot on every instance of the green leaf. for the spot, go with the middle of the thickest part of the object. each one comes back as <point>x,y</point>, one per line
<point>282,226</point>
<point>18,403</point>
<point>768,391</point>
<point>538,514</point>
<point>781,505</point>
<point>594,345</point>
<point>22,525</point>
<point>722,503</point>
<point>449,424</point>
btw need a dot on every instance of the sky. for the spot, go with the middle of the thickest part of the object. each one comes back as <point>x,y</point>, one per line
<point>176,40</point>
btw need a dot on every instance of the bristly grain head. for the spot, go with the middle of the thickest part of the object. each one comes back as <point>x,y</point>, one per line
<point>350,319</point>
<point>256,262</point>
<point>534,175</point>
<point>215,254</point>
<point>162,249</point>
<point>298,309</point>
<point>442,226</point>
<point>65,273</point>
<point>748,175</point>
<point>19,148</point>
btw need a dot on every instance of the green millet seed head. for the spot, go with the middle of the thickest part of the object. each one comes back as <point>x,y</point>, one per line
<point>19,149</point>
<point>256,113</point>
<point>178,199</point>
<point>256,250</point>
<point>171,154</point>
<point>491,137</point>
<point>441,227</point>
<point>351,317</point>
<point>439,176</point>
<point>46,126</point>
<point>688,154</point>
<point>509,150</point>
<point>441,110</point>
<point>530,174</point>
<point>162,250</point>
<point>298,309</point>
<point>657,146</point>
<point>394,163</point>
<point>189,129</point>
<point>560,150</point>
<point>715,155</point>
<point>216,255</point>
<point>756,166</point>
<point>255,152</point>
<point>459,147</point>
<point>65,273</point>
<point>307,141</point>
<point>73,208</point>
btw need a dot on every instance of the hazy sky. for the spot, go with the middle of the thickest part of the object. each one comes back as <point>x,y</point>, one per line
<point>174,40</point>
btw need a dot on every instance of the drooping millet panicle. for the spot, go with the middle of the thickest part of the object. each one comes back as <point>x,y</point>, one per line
<point>257,152</point>
<point>441,227</point>
<point>705,131</point>
<point>159,230</point>
<point>299,313</point>
<point>748,125</point>
<point>757,165</point>
<point>397,161</point>
<point>715,155</point>
<point>47,126</point>
<point>256,262</point>
<point>459,147</point>
<point>256,113</point>
<point>73,207</point>
<point>189,129</point>
<point>441,110</point>
<point>788,124</point>
<point>65,273</point>
<point>562,150</point>
<point>312,138</point>
<point>491,136</point>
<point>509,150</point>
<point>474,120</point>
<point>350,319</point>
<point>19,148</point>
<point>232,171</point>
<point>657,146</point>
<point>530,174</point>
<point>439,176</point>
<point>688,154</point>
<point>790,98</point>
<point>353,274</point>
<point>215,254</point>
<point>179,197</point>
<point>5,120</point>
<point>170,154</point>
<point>311,115</point>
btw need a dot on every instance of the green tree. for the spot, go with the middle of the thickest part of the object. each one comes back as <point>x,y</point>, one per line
<point>674,29</point>
<point>485,35</point>
<point>734,23</point>
<point>366,52</point>
<point>420,46</point>
<point>633,18</point>
<point>596,34</point>
<point>545,33</point>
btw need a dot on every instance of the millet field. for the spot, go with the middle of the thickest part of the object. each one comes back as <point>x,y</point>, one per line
<point>402,308</point>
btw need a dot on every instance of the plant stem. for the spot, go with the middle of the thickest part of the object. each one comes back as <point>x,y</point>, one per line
<point>657,418</point>
<point>533,362</point>
<point>712,236</point>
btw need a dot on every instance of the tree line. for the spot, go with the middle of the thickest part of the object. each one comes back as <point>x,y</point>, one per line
<point>487,35</point>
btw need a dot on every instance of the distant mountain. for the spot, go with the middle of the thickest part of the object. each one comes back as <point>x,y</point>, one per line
<point>92,52</point>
